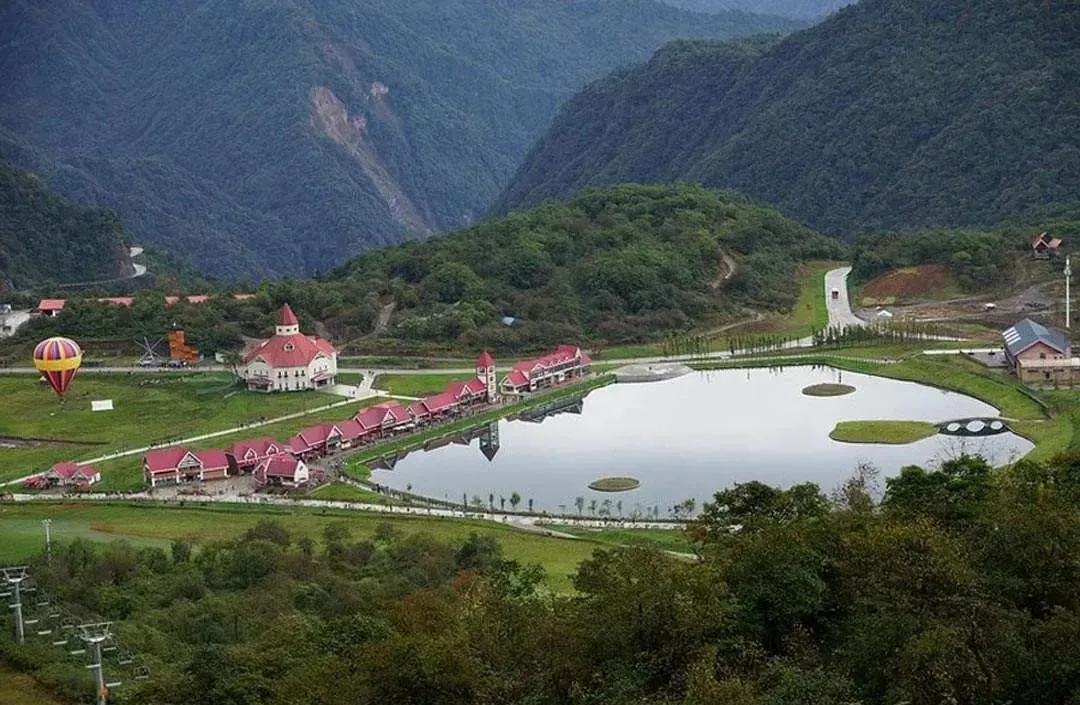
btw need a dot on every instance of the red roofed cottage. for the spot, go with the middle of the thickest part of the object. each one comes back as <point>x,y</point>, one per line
<point>178,465</point>
<point>290,361</point>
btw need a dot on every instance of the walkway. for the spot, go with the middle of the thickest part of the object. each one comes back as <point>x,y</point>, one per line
<point>531,521</point>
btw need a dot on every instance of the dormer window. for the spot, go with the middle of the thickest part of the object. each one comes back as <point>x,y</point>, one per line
<point>288,347</point>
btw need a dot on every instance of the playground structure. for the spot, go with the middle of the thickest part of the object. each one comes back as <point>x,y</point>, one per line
<point>179,351</point>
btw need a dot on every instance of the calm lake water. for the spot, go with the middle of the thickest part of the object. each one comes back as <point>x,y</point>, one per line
<point>691,436</point>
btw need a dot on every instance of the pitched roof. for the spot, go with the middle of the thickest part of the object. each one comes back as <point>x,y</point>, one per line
<point>1023,334</point>
<point>264,445</point>
<point>439,402</point>
<point>417,409</point>
<point>50,305</point>
<point>281,465</point>
<point>559,356</point>
<point>485,360</point>
<point>286,317</point>
<point>290,350</point>
<point>69,470</point>
<point>161,459</point>
<point>472,387</point>
<point>351,429</point>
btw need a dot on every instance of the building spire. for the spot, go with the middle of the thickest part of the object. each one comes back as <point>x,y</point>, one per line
<point>287,323</point>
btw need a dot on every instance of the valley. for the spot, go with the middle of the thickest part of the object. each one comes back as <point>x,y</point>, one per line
<point>462,352</point>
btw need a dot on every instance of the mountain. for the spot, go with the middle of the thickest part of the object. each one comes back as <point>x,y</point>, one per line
<point>46,239</point>
<point>797,9</point>
<point>613,264</point>
<point>889,114</point>
<point>265,137</point>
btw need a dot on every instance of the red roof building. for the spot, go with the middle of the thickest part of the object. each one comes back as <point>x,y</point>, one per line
<point>245,455</point>
<point>290,361</point>
<point>69,474</point>
<point>178,465</point>
<point>565,363</point>
<point>50,307</point>
<point>319,439</point>
<point>282,470</point>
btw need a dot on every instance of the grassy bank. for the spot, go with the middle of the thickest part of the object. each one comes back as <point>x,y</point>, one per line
<point>158,525</point>
<point>20,689</point>
<point>896,432</point>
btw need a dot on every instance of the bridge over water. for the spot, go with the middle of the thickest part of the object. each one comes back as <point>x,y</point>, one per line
<point>977,426</point>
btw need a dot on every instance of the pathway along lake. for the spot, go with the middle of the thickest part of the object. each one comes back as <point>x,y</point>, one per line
<point>689,437</point>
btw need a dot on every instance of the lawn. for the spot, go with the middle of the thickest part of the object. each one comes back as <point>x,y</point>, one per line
<point>417,385</point>
<point>158,524</point>
<point>147,409</point>
<point>895,432</point>
<point>340,492</point>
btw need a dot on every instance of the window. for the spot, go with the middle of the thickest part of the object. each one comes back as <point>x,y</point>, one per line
<point>1042,356</point>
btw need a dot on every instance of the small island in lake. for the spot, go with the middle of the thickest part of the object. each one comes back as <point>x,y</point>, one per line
<point>615,484</point>
<point>828,390</point>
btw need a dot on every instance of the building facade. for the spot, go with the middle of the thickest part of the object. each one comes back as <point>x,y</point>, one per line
<point>565,363</point>
<point>290,361</point>
<point>1040,356</point>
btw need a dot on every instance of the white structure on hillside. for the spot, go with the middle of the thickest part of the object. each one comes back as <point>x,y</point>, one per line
<point>290,361</point>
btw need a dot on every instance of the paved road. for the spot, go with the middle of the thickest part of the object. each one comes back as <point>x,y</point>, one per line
<point>840,313</point>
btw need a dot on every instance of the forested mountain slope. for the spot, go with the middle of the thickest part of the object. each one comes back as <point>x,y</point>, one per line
<point>887,114</point>
<point>46,239</point>
<point>256,137</point>
<point>798,9</point>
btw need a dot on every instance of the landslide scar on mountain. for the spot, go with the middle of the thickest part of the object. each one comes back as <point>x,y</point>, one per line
<point>330,118</point>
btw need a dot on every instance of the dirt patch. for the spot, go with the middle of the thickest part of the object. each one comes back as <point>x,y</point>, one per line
<point>31,442</point>
<point>905,284</point>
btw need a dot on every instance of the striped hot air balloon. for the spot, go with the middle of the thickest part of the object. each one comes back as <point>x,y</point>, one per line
<point>58,359</point>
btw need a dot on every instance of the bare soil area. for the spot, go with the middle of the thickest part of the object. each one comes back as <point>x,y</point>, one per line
<point>906,284</point>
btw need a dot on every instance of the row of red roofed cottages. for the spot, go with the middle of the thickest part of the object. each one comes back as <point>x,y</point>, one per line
<point>275,463</point>
<point>65,474</point>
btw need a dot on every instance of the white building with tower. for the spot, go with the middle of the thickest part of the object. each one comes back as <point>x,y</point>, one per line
<point>290,361</point>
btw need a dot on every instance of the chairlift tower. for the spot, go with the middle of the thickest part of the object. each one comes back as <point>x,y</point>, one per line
<point>93,635</point>
<point>14,576</point>
<point>1068,302</point>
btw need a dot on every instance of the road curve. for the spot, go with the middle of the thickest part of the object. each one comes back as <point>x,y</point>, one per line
<point>840,314</point>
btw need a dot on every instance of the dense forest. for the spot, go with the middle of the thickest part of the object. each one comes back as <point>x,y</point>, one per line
<point>959,585</point>
<point>266,138</point>
<point>45,239</point>
<point>798,9</point>
<point>614,264</point>
<point>886,115</point>
<point>977,258</point>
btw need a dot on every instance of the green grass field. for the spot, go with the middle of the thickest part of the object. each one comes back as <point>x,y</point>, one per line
<point>666,539</point>
<point>20,525</point>
<point>340,492</point>
<point>147,409</point>
<point>893,432</point>
<point>417,385</point>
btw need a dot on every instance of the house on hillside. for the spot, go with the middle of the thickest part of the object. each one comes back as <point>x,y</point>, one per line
<point>178,465</point>
<point>50,307</point>
<point>289,360</point>
<point>1042,246</point>
<point>565,363</point>
<point>1039,355</point>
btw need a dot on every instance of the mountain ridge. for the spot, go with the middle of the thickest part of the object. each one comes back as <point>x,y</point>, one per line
<point>885,115</point>
<point>193,120</point>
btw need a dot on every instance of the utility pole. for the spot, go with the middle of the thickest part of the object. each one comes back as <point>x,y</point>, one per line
<point>14,577</point>
<point>93,635</point>
<point>1068,302</point>
<point>47,523</point>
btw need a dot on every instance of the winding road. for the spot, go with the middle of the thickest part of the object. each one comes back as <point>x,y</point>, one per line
<point>840,313</point>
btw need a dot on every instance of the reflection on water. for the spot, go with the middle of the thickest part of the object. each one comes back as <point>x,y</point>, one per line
<point>689,437</point>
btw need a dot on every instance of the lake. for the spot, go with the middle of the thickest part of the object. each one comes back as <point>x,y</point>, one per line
<point>691,436</point>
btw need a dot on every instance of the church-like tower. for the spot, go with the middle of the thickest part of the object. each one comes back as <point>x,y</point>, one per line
<point>287,323</point>
<point>485,372</point>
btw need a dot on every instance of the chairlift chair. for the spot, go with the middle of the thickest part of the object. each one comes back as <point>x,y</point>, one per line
<point>142,673</point>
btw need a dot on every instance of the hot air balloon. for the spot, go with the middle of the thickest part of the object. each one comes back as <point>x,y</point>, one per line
<point>58,359</point>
